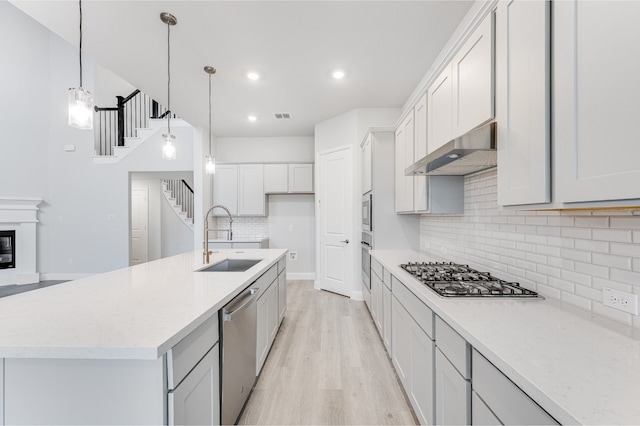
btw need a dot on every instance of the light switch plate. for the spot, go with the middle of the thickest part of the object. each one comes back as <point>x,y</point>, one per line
<point>621,300</point>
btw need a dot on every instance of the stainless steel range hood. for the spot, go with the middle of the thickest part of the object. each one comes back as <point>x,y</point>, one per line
<point>471,152</point>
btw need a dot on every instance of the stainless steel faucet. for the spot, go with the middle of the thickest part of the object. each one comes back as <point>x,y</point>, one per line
<point>229,231</point>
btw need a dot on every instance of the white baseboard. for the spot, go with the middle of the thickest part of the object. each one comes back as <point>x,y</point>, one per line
<point>62,276</point>
<point>357,295</point>
<point>301,275</point>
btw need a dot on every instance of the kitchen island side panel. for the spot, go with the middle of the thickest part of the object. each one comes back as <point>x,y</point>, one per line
<point>61,391</point>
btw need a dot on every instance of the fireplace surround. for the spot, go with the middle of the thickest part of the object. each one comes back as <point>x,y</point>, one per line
<point>20,215</point>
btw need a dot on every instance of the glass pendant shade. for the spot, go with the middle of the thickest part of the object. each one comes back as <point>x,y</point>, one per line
<point>210,165</point>
<point>169,149</point>
<point>80,108</point>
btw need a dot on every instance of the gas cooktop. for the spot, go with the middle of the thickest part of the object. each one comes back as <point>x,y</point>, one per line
<point>454,280</point>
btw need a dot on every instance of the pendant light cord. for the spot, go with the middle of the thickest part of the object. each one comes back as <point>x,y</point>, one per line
<point>169,78</point>
<point>80,6</point>
<point>209,115</point>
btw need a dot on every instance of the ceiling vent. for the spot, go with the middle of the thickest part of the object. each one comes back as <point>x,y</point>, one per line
<point>282,115</point>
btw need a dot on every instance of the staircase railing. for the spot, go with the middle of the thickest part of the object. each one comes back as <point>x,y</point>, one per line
<point>182,192</point>
<point>114,124</point>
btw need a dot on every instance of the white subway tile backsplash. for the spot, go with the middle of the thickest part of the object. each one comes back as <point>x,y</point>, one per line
<point>565,255</point>
<point>623,236</point>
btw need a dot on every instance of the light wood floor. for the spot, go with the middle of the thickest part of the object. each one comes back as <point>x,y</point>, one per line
<point>327,366</point>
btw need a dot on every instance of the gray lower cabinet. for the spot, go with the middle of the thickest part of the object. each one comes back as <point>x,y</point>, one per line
<point>481,414</point>
<point>412,350</point>
<point>195,400</point>
<point>270,305</point>
<point>386,315</point>
<point>453,393</point>
<point>282,295</point>
<point>502,398</point>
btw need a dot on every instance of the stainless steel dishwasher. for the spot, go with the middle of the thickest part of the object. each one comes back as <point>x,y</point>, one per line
<point>238,360</point>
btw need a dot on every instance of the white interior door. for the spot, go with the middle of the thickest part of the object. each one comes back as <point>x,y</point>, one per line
<point>139,252</point>
<point>335,206</point>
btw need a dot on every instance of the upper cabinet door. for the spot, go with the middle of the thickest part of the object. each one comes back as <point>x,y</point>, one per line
<point>440,110</point>
<point>276,178</point>
<point>251,199</point>
<point>420,150</point>
<point>300,177</point>
<point>472,73</point>
<point>225,188</point>
<point>404,158</point>
<point>596,107</point>
<point>522,101</point>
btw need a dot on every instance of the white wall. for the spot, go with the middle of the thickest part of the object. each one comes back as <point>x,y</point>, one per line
<point>349,129</point>
<point>265,150</point>
<point>568,256</point>
<point>84,219</point>
<point>292,226</point>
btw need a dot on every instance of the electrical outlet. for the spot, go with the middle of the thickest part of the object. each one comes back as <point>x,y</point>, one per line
<point>621,300</point>
<point>293,255</point>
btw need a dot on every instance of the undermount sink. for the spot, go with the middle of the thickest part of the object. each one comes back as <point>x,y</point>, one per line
<point>231,265</point>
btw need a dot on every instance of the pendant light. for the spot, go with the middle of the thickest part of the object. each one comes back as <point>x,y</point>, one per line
<point>210,165</point>
<point>168,149</point>
<point>80,100</point>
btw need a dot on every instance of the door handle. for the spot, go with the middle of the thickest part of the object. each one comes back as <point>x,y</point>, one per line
<point>345,241</point>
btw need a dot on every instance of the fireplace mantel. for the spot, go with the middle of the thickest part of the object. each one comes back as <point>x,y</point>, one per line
<point>21,214</point>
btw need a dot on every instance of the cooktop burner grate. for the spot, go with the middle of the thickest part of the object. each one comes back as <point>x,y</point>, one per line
<point>454,280</point>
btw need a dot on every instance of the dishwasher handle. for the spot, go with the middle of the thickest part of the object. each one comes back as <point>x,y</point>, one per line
<point>244,303</point>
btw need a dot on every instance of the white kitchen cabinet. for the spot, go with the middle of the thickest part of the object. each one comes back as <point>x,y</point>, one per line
<point>195,401</point>
<point>267,323</point>
<point>282,295</point>
<point>404,185</point>
<point>420,183</point>
<point>288,178</point>
<point>523,92</point>
<point>2,391</point>
<point>596,108</point>
<point>366,158</point>
<point>480,412</point>
<point>412,357</point>
<point>251,197</point>
<point>301,178</point>
<point>225,189</point>
<point>376,301</point>
<point>401,341</point>
<point>240,188</point>
<point>440,110</point>
<point>453,393</point>
<point>386,316</point>
<point>473,76</point>
<point>505,400</point>
<point>276,178</point>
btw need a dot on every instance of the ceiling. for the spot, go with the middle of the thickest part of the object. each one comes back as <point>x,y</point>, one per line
<point>385,48</point>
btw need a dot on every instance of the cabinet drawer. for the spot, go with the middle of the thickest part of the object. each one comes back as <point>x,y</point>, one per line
<point>386,279</point>
<point>265,280</point>
<point>418,310</point>
<point>454,347</point>
<point>509,403</point>
<point>282,265</point>
<point>377,268</point>
<point>186,353</point>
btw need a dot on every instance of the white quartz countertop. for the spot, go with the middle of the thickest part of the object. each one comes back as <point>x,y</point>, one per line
<point>580,368</point>
<point>138,312</point>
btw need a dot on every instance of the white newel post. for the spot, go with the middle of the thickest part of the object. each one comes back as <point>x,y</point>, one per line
<point>21,214</point>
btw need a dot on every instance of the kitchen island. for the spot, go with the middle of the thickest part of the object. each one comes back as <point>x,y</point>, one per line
<point>579,368</point>
<point>99,349</point>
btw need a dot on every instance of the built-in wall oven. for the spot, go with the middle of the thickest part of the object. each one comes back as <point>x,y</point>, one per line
<point>367,206</point>
<point>367,244</point>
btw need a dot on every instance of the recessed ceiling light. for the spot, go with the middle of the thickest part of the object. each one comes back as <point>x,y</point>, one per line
<point>252,75</point>
<point>252,118</point>
<point>338,74</point>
